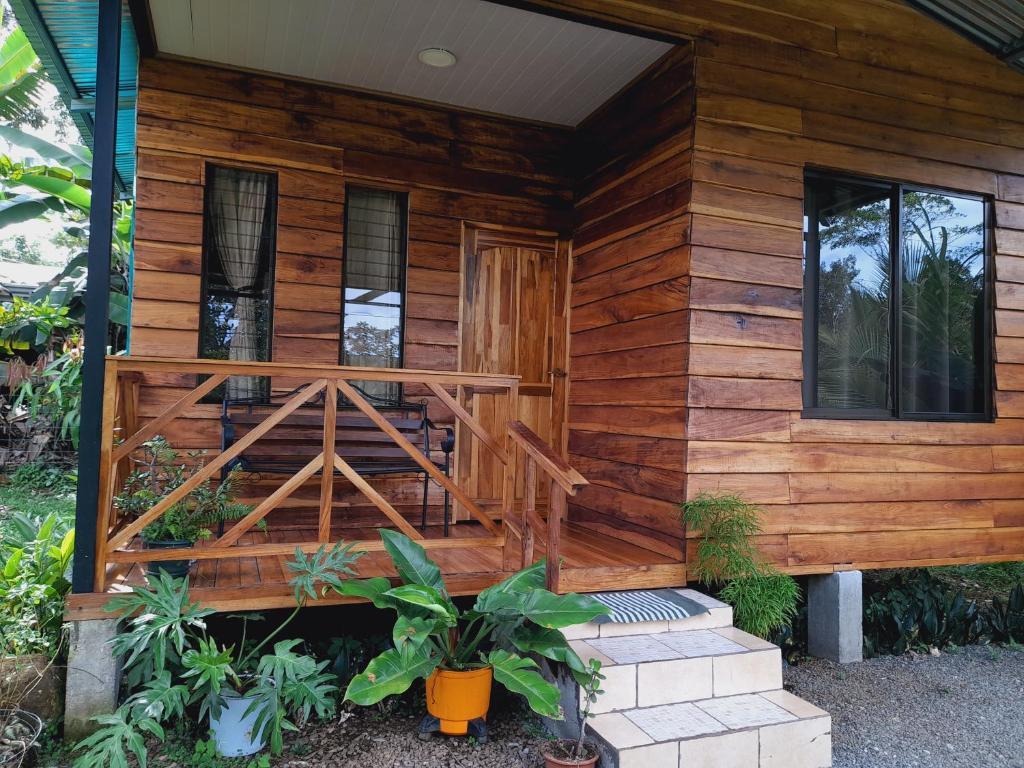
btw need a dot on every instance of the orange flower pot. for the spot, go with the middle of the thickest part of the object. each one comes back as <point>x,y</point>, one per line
<point>457,697</point>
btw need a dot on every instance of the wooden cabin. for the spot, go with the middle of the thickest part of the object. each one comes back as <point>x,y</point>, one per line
<point>627,252</point>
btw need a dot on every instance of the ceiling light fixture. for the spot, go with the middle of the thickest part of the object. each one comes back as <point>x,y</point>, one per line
<point>437,57</point>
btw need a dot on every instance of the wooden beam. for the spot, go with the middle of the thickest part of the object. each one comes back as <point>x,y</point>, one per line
<point>467,418</point>
<point>558,469</point>
<point>327,477</point>
<point>268,550</point>
<point>169,414</point>
<point>271,503</point>
<point>371,493</point>
<point>131,531</point>
<point>556,512</point>
<point>370,412</point>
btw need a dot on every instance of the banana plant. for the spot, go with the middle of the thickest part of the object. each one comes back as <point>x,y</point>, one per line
<point>509,622</point>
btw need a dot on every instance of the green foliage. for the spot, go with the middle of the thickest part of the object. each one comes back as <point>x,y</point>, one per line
<point>22,79</point>
<point>590,685</point>
<point>170,662</point>
<point>914,611</point>
<point>34,578</point>
<point>1005,621</point>
<point>727,525</point>
<point>56,392</point>
<point>32,325</point>
<point>40,476</point>
<point>763,599</point>
<point>516,616</point>
<point>159,471</point>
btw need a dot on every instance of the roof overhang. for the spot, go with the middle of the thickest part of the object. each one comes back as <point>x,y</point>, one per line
<point>63,34</point>
<point>995,25</point>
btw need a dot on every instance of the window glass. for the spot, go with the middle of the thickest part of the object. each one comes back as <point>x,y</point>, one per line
<point>942,256</point>
<point>897,303</point>
<point>374,278</point>
<point>852,226</point>
<point>238,254</point>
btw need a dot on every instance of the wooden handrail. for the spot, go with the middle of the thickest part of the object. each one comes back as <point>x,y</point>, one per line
<point>564,481</point>
<point>125,374</point>
<point>554,465</point>
<point>140,364</point>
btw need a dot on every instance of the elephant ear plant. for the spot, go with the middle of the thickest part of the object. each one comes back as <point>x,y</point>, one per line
<point>509,621</point>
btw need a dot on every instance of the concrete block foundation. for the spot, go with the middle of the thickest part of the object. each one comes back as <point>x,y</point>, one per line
<point>835,616</point>
<point>94,675</point>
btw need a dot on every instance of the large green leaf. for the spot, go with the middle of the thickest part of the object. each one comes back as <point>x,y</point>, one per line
<point>16,58</point>
<point>411,561</point>
<point>428,599</point>
<point>549,643</point>
<point>25,207</point>
<point>505,593</point>
<point>520,676</point>
<point>391,673</point>
<point>557,611</point>
<point>73,156</point>
<point>69,191</point>
<point>413,631</point>
<point>375,590</point>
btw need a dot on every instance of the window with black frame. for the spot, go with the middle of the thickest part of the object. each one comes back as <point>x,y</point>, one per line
<point>374,284</point>
<point>239,237</point>
<point>897,302</point>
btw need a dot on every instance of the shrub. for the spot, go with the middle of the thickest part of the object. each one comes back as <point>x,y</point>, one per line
<point>33,583</point>
<point>158,471</point>
<point>762,602</point>
<point>55,393</point>
<point>915,611</point>
<point>763,598</point>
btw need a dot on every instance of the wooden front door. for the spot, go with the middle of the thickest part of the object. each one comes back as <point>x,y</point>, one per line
<point>513,321</point>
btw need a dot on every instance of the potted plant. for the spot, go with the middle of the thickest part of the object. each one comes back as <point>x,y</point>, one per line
<point>158,471</point>
<point>459,653</point>
<point>577,752</point>
<point>250,692</point>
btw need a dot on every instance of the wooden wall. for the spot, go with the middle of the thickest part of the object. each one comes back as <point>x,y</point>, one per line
<point>456,166</point>
<point>868,87</point>
<point>627,372</point>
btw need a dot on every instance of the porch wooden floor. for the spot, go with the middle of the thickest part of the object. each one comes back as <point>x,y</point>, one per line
<point>591,562</point>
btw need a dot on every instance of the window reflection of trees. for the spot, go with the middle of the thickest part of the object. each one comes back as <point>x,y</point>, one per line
<point>942,302</point>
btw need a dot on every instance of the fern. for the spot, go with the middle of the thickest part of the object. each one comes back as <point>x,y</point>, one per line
<point>763,599</point>
<point>726,525</point>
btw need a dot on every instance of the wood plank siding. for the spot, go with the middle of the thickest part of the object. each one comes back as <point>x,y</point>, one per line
<point>627,396</point>
<point>869,88</point>
<point>683,200</point>
<point>455,166</point>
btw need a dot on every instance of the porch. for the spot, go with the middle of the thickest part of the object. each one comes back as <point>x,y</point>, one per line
<point>243,566</point>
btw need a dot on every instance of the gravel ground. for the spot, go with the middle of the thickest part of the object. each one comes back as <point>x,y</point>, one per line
<point>947,711</point>
<point>368,739</point>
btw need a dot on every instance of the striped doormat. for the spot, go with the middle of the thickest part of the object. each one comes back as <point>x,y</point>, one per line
<point>646,605</point>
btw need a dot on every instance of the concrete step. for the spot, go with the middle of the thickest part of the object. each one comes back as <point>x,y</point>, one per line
<point>773,729</point>
<point>675,667</point>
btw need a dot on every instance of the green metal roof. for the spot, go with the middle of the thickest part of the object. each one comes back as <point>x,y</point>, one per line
<point>63,33</point>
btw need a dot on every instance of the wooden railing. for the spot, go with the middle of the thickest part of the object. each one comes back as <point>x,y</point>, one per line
<point>563,479</point>
<point>125,431</point>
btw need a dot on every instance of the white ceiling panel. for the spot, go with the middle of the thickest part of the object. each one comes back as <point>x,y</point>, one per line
<point>510,62</point>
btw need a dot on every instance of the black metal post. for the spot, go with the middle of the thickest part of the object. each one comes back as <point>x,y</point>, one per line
<point>97,294</point>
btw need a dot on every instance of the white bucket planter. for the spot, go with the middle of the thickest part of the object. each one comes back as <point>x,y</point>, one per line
<point>233,731</point>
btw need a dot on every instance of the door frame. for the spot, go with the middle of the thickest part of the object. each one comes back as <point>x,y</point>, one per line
<point>559,374</point>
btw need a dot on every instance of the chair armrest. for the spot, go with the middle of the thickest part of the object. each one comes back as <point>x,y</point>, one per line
<point>448,441</point>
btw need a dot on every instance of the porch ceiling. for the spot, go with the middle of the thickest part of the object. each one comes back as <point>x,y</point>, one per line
<point>510,61</point>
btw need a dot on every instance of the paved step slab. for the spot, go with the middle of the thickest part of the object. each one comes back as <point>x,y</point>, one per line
<point>765,730</point>
<point>679,666</point>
